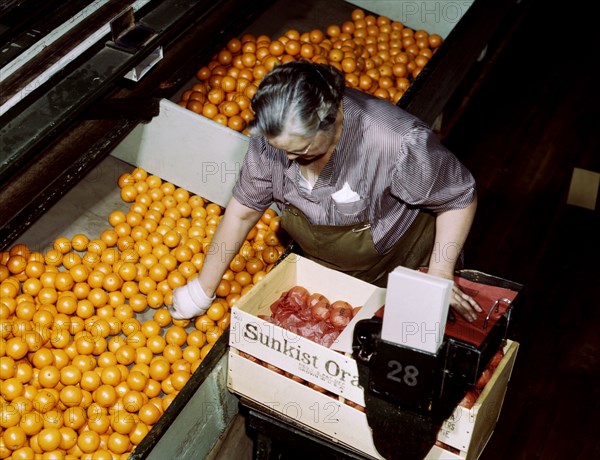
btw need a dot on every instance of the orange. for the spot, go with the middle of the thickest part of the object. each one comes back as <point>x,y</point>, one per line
<point>212,335</point>
<point>216,311</point>
<point>10,416</point>
<point>99,423</point>
<point>24,453</point>
<point>203,323</point>
<point>85,344</point>
<point>137,380</point>
<point>8,367</point>
<point>149,413</point>
<point>223,323</point>
<point>122,422</point>
<point>32,422</point>
<point>130,325</point>
<point>176,335</point>
<point>132,401</point>
<point>123,312</point>
<point>34,269</point>
<point>138,433</point>
<point>79,272</point>
<point>269,255</point>
<point>53,419</point>
<point>179,379</point>
<point>111,375</point>
<point>60,338</point>
<point>21,405</point>
<point>238,263</point>
<point>9,289</point>
<point>105,395</point>
<point>156,344</point>
<point>70,375</point>
<point>125,354</point>
<point>49,376</point>
<point>118,443</point>
<point>71,396</point>
<point>75,417</point>
<point>115,218</point>
<point>172,353</point>
<point>210,110</point>
<point>49,439</point>
<point>64,281</point>
<point>136,340</point>
<point>126,179</point>
<point>25,310</point>
<point>17,264</point>
<point>90,380</point>
<point>14,437</point>
<point>205,350</point>
<point>19,249</point>
<point>152,389</point>
<point>176,279</point>
<point>160,369</point>
<point>107,359</point>
<point>88,441</point>
<point>68,438</point>
<point>187,269</point>
<point>223,288</point>
<point>61,358</point>
<point>243,278</point>
<point>84,363</point>
<point>254,265</point>
<point>45,400</point>
<point>139,174</point>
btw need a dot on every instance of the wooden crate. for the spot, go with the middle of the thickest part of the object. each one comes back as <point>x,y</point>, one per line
<point>467,430</point>
<point>330,368</point>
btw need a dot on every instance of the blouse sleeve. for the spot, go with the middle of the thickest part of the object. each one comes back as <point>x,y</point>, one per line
<point>254,187</point>
<point>428,175</point>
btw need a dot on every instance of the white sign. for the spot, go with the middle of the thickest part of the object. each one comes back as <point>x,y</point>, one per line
<point>416,309</point>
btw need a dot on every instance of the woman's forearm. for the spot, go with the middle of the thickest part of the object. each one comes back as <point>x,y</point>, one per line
<point>452,229</point>
<point>231,232</point>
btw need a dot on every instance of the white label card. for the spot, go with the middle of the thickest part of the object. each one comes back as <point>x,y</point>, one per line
<point>416,309</point>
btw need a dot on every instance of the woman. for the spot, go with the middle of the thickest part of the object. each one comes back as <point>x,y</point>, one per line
<point>362,186</point>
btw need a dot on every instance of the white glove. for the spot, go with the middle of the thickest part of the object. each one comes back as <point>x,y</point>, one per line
<point>190,300</point>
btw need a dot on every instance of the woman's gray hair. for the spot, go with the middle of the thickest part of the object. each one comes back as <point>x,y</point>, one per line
<point>298,98</point>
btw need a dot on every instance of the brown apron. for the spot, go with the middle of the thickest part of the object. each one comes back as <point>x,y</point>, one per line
<point>350,248</point>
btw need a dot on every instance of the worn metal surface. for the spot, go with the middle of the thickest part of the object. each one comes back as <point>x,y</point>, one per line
<point>22,135</point>
<point>82,144</point>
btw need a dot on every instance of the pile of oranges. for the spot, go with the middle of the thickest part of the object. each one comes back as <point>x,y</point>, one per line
<point>89,356</point>
<point>376,55</point>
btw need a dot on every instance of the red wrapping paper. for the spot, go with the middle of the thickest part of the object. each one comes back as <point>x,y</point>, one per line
<point>485,295</point>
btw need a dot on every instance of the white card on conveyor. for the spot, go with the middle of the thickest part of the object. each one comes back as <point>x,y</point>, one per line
<point>416,309</point>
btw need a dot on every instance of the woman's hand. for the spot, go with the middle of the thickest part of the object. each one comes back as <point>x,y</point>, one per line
<point>197,295</point>
<point>464,304</point>
<point>190,300</point>
<point>460,302</point>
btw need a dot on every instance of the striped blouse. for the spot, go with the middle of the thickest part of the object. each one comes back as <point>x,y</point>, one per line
<point>390,158</point>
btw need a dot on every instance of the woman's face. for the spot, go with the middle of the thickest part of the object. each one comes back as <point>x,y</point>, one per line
<point>304,149</point>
